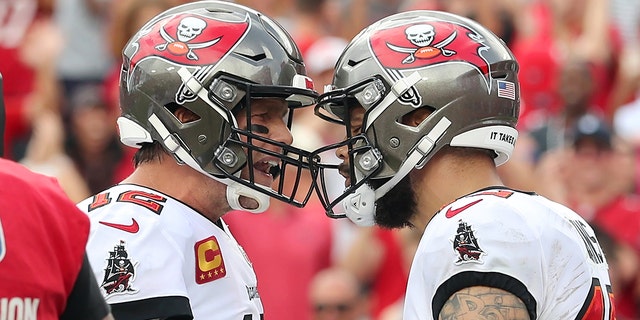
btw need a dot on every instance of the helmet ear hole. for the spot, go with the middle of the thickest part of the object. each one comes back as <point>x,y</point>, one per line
<point>416,117</point>
<point>184,115</point>
<point>172,107</point>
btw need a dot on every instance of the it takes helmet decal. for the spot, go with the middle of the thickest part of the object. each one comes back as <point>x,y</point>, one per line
<point>428,43</point>
<point>188,39</point>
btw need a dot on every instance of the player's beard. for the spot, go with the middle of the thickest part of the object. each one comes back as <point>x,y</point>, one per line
<point>395,209</point>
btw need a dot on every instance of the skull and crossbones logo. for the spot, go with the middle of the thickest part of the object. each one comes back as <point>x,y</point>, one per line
<point>188,29</point>
<point>422,36</point>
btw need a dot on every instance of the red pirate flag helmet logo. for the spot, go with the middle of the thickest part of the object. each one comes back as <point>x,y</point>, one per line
<point>429,43</point>
<point>188,39</point>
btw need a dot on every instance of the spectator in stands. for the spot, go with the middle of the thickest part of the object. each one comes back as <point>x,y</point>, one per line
<point>85,56</point>
<point>371,256</point>
<point>575,88</point>
<point>29,45</point>
<point>46,155</point>
<point>335,294</point>
<point>287,246</point>
<point>562,30</point>
<point>93,141</point>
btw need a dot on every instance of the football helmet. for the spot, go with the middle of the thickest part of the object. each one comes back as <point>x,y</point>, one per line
<point>214,58</point>
<point>452,65</point>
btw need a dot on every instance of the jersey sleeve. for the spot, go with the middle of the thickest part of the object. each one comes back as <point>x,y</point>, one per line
<point>138,266</point>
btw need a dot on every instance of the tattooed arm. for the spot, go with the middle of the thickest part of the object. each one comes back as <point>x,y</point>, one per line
<point>484,303</point>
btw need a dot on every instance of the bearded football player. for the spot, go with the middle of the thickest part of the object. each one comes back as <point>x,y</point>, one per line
<point>430,102</point>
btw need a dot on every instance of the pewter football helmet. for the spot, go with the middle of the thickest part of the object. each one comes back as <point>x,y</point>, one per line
<point>452,65</point>
<point>214,58</point>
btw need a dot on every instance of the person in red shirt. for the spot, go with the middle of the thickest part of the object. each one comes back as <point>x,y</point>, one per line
<point>44,270</point>
<point>556,33</point>
<point>370,256</point>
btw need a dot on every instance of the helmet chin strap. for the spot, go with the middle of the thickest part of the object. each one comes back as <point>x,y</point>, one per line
<point>360,206</point>
<point>235,190</point>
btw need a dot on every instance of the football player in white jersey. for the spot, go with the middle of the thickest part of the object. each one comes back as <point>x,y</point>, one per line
<point>430,103</point>
<point>208,90</point>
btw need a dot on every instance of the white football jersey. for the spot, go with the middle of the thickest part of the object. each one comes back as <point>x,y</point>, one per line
<point>539,250</point>
<point>155,257</point>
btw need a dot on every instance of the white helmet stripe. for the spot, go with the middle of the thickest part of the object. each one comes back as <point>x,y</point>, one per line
<point>501,139</point>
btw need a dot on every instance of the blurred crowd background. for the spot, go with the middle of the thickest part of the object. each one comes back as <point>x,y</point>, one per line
<point>579,128</point>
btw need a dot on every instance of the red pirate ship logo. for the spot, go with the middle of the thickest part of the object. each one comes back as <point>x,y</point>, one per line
<point>429,43</point>
<point>187,39</point>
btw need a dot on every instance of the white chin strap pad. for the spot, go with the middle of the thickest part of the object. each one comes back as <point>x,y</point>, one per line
<point>360,206</point>
<point>236,190</point>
